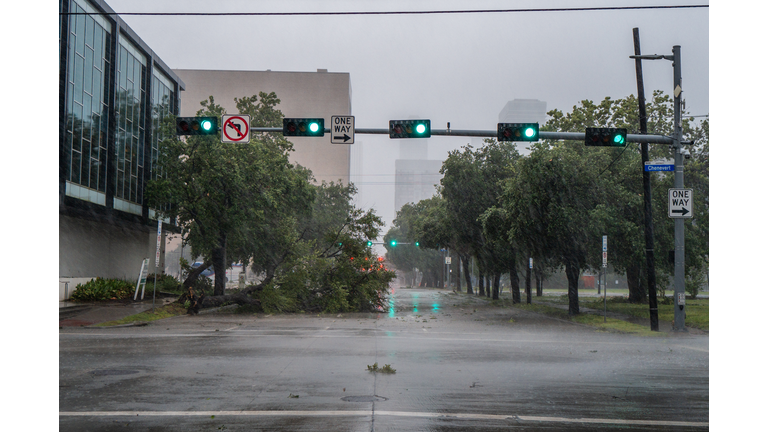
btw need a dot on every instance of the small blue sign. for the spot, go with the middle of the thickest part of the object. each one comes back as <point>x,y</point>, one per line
<point>659,168</point>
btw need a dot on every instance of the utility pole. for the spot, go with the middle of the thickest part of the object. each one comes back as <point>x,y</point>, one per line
<point>677,145</point>
<point>649,256</point>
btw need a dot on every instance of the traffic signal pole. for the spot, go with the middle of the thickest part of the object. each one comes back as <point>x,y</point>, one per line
<point>679,222</point>
<point>556,136</point>
<point>677,145</point>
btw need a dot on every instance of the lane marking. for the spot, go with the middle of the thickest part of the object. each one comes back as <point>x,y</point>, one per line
<point>461,416</point>
<point>410,335</point>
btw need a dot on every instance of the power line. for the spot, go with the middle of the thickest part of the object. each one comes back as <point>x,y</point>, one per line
<point>430,12</point>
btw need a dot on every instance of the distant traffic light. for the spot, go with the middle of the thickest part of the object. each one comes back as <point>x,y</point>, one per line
<point>605,137</point>
<point>517,132</point>
<point>416,243</point>
<point>370,243</point>
<point>197,125</point>
<point>314,127</point>
<point>410,129</point>
<point>393,243</point>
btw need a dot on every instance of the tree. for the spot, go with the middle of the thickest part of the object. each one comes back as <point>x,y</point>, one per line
<point>224,196</point>
<point>618,178</point>
<point>548,201</point>
<point>406,257</point>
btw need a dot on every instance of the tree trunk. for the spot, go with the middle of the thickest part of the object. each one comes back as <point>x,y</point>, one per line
<point>637,293</point>
<point>539,282</point>
<point>488,285</point>
<point>241,298</point>
<point>514,284</point>
<point>481,284</point>
<point>467,274</point>
<point>458,274</point>
<point>528,284</point>
<point>572,272</point>
<point>496,283</point>
<point>219,257</point>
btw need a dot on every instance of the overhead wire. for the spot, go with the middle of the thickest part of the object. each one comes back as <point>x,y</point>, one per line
<point>413,12</point>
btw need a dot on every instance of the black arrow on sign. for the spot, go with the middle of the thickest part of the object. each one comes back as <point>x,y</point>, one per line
<point>684,211</point>
<point>345,137</point>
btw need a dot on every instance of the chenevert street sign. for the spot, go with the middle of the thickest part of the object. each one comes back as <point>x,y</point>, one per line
<point>681,203</point>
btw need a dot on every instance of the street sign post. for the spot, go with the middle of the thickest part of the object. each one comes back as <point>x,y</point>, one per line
<point>235,128</point>
<point>680,203</point>
<point>342,129</point>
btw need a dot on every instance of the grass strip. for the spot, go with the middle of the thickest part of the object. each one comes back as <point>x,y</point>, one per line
<point>166,311</point>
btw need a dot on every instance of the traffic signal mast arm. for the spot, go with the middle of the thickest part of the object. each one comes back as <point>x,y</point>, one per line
<point>563,136</point>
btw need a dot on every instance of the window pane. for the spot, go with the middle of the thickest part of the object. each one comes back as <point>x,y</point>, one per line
<point>97,86</point>
<point>98,47</point>
<point>78,78</point>
<point>76,167</point>
<point>93,181</point>
<point>89,22</point>
<point>88,72</point>
<point>77,126</point>
<point>80,31</point>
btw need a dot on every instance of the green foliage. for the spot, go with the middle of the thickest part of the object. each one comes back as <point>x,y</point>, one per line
<point>694,280</point>
<point>165,283</point>
<point>103,289</point>
<point>387,369</point>
<point>274,300</point>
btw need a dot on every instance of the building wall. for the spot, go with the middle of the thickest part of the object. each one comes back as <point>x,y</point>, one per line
<point>301,94</point>
<point>415,180</point>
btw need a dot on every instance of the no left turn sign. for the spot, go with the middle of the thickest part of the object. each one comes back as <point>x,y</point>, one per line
<point>236,128</point>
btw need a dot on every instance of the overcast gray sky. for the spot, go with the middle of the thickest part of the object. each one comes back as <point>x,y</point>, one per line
<point>458,68</point>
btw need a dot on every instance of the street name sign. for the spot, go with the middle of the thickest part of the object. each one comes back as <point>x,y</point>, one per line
<point>235,128</point>
<point>342,129</point>
<point>651,167</point>
<point>681,203</point>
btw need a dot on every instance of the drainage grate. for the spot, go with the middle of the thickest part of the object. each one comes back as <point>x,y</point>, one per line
<point>364,398</point>
<point>105,372</point>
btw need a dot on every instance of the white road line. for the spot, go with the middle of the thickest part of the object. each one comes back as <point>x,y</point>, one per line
<point>460,416</point>
<point>410,335</point>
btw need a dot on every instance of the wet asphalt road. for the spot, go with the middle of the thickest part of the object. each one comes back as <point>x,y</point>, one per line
<point>460,364</point>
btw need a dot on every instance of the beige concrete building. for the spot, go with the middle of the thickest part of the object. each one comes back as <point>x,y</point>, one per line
<point>302,94</point>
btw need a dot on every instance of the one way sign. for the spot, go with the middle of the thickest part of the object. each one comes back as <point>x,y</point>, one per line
<point>342,129</point>
<point>681,203</point>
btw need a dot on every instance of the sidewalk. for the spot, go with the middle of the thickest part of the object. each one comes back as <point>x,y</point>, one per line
<point>79,314</point>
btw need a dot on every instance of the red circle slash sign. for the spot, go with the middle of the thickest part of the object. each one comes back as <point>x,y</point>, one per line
<point>238,134</point>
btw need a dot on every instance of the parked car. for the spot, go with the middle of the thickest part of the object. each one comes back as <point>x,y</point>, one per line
<point>207,272</point>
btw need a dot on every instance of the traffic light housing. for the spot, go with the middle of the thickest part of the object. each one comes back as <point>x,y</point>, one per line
<point>370,243</point>
<point>410,129</point>
<point>312,127</point>
<point>605,137</point>
<point>517,132</point>
<point>197,125</point>
<point>393,243</point>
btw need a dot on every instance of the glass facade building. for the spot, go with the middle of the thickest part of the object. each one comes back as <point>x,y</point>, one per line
<point>114,94</point>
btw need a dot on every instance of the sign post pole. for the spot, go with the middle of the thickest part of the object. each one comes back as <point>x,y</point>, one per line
<point>605,278</point>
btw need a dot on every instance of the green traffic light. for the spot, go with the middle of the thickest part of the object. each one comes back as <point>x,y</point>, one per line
<point>529,132</point>
<point>370,243</point>
<point>421,128</point>
<point>618,139</point>
<point>206,125</point>
<point>517,132</point>
<point>417,243</point>
<point>393,243</point>
<point>314,127</point>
